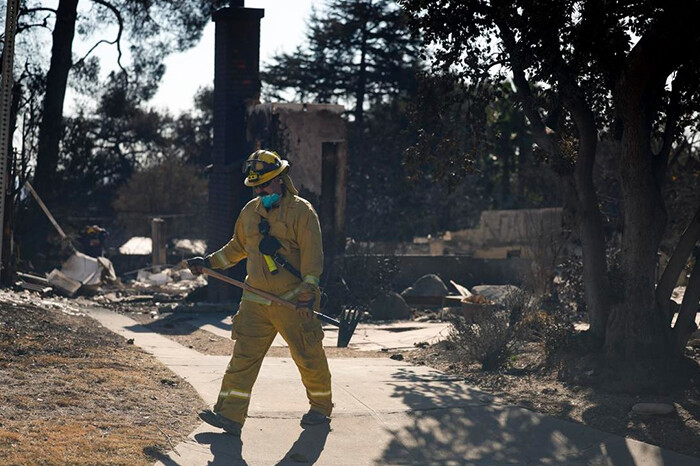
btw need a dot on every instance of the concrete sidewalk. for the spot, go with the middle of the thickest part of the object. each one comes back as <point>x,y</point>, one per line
<point>394,336</point>
<point>387,412</point>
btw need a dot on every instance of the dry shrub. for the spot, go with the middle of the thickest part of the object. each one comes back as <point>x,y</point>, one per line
<point>553,329</point>
<point>491,339</point>
<point>558,330</point>
<point>487,340</point>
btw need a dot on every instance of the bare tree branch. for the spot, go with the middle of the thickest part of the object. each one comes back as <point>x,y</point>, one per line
<point>25,11</point>
<point>116,41</point>
<point>675,265</point>
<point>685,324</point>
<point>27,26</point>
<point>544,136</point>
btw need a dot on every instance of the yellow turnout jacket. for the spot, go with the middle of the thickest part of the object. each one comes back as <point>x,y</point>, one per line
<point>295,224</point>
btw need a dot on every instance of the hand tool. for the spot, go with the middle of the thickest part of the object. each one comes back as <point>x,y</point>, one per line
<point>346,324</point>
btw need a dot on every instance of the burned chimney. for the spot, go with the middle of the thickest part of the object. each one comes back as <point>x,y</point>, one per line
<point>236,86</point>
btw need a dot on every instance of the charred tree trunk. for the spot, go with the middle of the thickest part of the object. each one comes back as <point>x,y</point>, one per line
<point>361,89</point>
<point>637,328</point>
<point>56,82</point>
<point>506,155</point>
<point>588,217</point>
<point>524,157</point>
<point>590,225</point>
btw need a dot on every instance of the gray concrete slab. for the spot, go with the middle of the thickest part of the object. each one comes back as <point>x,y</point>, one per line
<point>387,412</point>
<point>393,336</point>
<point>397,336</point>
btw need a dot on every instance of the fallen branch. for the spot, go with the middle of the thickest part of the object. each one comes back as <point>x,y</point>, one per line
<point>172,447</point>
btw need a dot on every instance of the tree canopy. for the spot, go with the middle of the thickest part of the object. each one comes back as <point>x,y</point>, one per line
<point>359,52</point>
<point>623,72</point>
<point>149,30</point>
<point>407,109</point>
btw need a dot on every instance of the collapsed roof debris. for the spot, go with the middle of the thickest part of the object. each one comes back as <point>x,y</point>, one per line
<point>137,246</point>
<point>81,270</point>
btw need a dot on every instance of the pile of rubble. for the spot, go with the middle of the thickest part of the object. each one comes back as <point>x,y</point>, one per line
<point>161,289</point>
<point>83,281</point>
<point>429,298</point>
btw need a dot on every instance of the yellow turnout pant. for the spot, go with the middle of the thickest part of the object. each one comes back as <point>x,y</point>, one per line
<point>254,327</point>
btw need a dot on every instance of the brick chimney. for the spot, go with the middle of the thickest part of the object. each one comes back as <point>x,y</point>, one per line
<point>236,86</point>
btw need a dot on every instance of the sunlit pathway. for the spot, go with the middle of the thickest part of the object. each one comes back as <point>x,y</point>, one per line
<point>387,412</point>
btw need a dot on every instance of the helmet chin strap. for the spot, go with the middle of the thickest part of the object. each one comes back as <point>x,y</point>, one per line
<point>288,184</point>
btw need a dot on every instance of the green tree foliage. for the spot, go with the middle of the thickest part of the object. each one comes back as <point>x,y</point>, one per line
<point>359,53</point>
<point>169,189</point>
<point>105,146</point>
<point>477,134</point>
<point>403,109</point>
<point>621,72</point>
<point>153,29</point>
<point>150,29</point>
<point>193,133</point>
<point>101,150</point>
<point>387,201</point>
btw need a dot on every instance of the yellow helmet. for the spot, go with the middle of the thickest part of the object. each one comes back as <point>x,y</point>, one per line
<point>262,166</point>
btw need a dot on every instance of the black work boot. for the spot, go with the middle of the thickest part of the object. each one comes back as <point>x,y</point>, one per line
<point>313,418</point>
<point>217,420</point>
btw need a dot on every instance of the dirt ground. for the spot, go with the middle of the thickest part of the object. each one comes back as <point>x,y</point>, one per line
<point>75,393</point>
<point>535,384</point>
<point>71,387</point>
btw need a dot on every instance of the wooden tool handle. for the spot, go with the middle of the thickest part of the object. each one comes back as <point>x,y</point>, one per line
<point>245,286</point>
<point>265,294</point>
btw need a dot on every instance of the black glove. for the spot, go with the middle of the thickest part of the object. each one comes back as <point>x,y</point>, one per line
<point>196,263</point>
<point>269,245</point>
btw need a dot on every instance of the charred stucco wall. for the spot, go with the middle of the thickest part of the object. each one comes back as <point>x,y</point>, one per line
<point>465,270</point>
<point>312,137</point>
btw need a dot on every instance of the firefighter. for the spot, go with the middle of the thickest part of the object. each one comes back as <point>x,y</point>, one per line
<point>93,240</point>
<point>277,211</point>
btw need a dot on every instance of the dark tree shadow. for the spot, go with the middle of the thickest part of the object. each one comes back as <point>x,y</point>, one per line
<point>158,455</point>
<point>451,423</point>
<point>226,449</point>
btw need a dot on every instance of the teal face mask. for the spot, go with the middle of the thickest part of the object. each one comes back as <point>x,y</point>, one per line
<point>270,200</point>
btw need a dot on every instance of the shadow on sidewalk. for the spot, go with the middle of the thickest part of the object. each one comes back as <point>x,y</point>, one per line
<point>451,422</point>
<point>227,449</point>
<point>308,447</point>
<point>181,324</point>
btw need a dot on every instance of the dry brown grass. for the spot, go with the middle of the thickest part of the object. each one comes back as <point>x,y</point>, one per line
<point>75,393</point>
